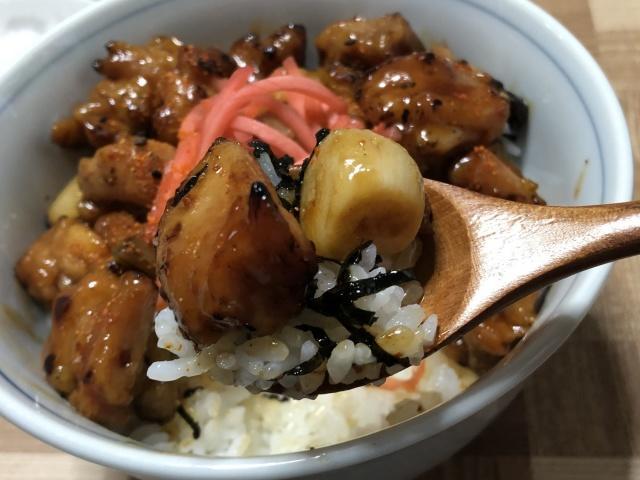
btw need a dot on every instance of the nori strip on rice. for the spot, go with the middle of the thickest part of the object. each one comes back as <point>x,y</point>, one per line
<point>195,428</point>
<point>338,301</point>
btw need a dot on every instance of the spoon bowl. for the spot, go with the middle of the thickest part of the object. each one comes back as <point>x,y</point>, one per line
<point>484,253</point>
<point>490,252</point>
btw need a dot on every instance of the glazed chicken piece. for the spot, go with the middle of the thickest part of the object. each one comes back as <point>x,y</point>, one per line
<point>94,355</point>
<point>441,107</point>
<point>114,108</point>
<point>175,95</point>
<point>343,81</point>
<point>178,90</point>
<point>125,237</point>
<point>59,258</point>
<point>497,335</point>
<point>229,254</point>
<point>148,90</point>
<point>116,227</point>
<point>362,43</point>
<point>349,48</point>
<point>127,172</point>
<point>125,60</point>
<point>160,55</point>
<point>265,55</point>
<point>483,171</point>
<point>486,344</point>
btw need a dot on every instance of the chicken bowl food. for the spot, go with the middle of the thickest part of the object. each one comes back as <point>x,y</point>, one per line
<point>245,230</point>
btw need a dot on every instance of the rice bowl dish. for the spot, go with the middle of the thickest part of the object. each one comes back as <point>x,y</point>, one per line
<point>192,382</point>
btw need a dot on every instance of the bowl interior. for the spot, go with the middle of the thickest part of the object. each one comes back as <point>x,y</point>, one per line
<point>565,152</point>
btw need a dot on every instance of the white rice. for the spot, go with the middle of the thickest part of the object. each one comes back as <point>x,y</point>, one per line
<point>234,422</point>
<point>401,328</point>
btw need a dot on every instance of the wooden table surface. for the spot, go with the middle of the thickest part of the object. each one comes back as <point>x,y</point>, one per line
<point>579,416</point>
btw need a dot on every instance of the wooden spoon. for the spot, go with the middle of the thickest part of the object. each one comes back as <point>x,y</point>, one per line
<point>487,253</point>
<point>490,252</point>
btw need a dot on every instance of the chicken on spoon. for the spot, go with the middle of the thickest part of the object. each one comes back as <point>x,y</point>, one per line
<point>242,286</point>
<point>240,272</point>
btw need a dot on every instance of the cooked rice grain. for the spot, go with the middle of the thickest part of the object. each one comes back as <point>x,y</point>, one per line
<point>234,422</point>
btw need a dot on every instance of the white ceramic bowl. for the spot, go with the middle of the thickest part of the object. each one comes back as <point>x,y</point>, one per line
<point>577,131</point>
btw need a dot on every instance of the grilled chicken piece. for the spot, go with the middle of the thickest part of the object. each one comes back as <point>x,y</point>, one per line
<point>148,90</point>
<point>160,55</point>
<point>177,91</point>
<point>348,49</point>
<point>441,107</point>
<point>497,335</point>
<point>205,64</point>
<point>124,173</point>
<point>125,237</point>
<point>95,352</point>
<point>267,54</point>
<point>59,258</point>
<point>115,108</point>
<point>229,254</point>
<point>362,43</point>
<point>483,171</point>
<point>125,60</point>
<point>115,227</point>
<point>343,81</point>
<point>175,95</point>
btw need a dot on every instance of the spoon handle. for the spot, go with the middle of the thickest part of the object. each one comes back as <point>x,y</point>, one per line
<point>515,249</point>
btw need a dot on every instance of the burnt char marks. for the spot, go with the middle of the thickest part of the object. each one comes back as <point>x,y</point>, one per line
<point>428,57</point>
<point>259,197</point>
<point>86,379</point>
<point>218,141</point>
<point>321,135</point>
<point>114,268</point>
<point>49,363</point>
<point>60,307</point>
<point>124,358</point>
<point>175,231</point>
<point>264,55</point>
<point>188,184</point>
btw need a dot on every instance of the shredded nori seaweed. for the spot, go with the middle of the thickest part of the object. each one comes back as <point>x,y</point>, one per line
<point>331,301</point>
<point>195,428</point>
<point>298,185</point>
<point>338,303</point>
<point>307,367</point>
<point>275,396</point>
<point>362,336</point>
<point>325,344</point>
<point>352,259</point>
<point>289,188</point>
<point>280,164</point>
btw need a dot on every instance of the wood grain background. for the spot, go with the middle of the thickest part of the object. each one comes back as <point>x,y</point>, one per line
<point>579,416</point>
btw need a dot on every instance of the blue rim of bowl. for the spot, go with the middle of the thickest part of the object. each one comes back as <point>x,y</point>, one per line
<point>171,465</point>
